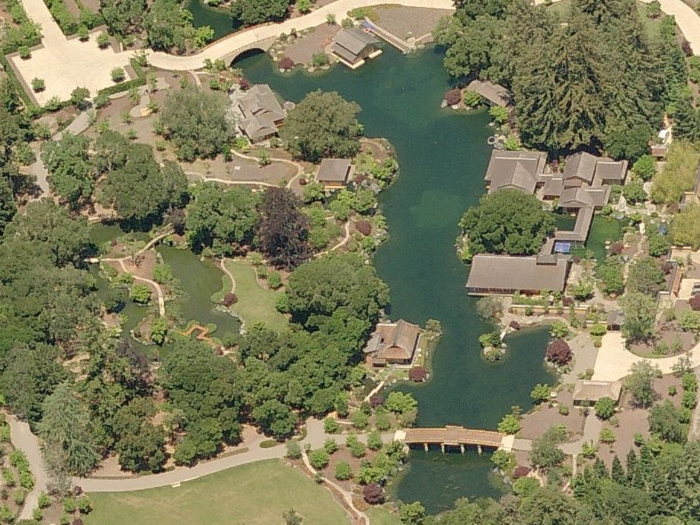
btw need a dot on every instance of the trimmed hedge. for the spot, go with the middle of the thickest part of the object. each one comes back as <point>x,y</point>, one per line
<point>126,86</point>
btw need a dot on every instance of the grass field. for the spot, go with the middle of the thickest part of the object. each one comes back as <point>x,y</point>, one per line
<point>254,494</point>
<point>255,304</point>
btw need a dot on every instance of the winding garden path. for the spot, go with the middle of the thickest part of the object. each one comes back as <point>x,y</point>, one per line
<point>23,439</point>
<point>153,284</point>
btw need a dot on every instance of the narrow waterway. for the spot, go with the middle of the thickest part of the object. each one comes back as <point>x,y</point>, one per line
<point>443,155</point>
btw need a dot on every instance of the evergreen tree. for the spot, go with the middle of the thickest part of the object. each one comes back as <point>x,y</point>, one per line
<point>65,429</point>
<point>601,471</point>
<point>558,89</point>
<point>645,467</point>
<point>8,208</point>
<point>686,120</point>
<point>617,472</point>
<point>633,477</point>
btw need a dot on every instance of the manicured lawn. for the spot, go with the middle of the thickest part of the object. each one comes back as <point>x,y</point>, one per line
<point>254,494</point>
<point>255,304</point>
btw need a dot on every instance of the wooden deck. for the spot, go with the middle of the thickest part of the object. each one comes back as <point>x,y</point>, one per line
<point>453,436</point>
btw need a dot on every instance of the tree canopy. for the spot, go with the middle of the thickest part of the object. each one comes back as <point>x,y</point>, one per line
<point>138,188</point>
<point>507,221</point>
<point>198,122</point>
<point>283,229</point>
<point>251,12</point>
<point>323,125</point>
<point>222,219</point>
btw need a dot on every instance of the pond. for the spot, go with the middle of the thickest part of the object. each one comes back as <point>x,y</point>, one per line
<point>199,280</point>
<point>443,155</point>
<point>218,18</point>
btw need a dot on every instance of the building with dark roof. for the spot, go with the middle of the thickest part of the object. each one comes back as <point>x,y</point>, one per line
<point>260,113</point>
<point>505,274</point>
<point>353,46</point>
<point>393,343</point>
<point>334,174</point>
<point>520,170</point>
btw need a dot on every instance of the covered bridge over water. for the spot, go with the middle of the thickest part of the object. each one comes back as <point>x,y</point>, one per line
<point>454,436</point>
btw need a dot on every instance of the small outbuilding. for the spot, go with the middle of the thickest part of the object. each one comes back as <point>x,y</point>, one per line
<point>334,174</point>
<point>353,46</point>
<point>589,391</point>
<point>493,94</point>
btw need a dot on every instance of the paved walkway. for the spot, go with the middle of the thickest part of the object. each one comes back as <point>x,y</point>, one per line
<point>23,439</point>
<point>614,360</point>
<point>84,64</point>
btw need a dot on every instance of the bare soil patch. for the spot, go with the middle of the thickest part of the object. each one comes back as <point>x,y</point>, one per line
<point>406,22</point>
<point>304,48</point>
<point>546,416</point>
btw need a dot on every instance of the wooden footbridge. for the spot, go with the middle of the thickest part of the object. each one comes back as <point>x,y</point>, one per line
<point>453,436</point>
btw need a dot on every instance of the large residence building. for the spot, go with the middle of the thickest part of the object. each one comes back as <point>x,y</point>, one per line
<point>582,188</point>
<point>503,274</point>
<point>259,113</point>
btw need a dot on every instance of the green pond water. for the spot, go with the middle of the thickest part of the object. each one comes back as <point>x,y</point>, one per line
<point>218,18</point>
<point>443,156</point>
<point>199,280</point>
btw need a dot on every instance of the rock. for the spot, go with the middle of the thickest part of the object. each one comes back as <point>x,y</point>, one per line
<point>515,325</point>
<point>443,104</point>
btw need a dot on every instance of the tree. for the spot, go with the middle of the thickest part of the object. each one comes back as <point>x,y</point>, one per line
<point>644,167</point>
<point>510,424</point>
<point>71,174</point>
<point>582,290</point>
<point>559,329</point>
<point>639,316</point>
<point>690,321</point>
<point>645,277</point>
<point>30,375</point>
<point>541,393</point>
<point>251,12</point>
<point>489,307</point>
<point>323,125</point>
<point>319,458</point>
<point>633,192</point>
<point>343,471</point>
<point>677,176</point>
<point>659,245</point>
<point>275,418</point>
<point>412,513</point>
<point>168,26</point>
<point>507,221</point>
<point>549,506</point>
<point>373,494</point>
<point>611,275</point>
<point>221,219</point>
<point>65,431</point>
<point>198,122</point>
<point>284,229</point>
<point>140,444</point>
<point>8,208</point>
<point>640,383</point>
<point>665,422</point>
<point>546,453</point>
<point>685,228</point>
<point>123,16</point>
<point>605,408</point>
<point>48,225</point>
<point>138,188</point>
<point>79,98</point>
<point>559,352</point>
<point>291,517</point>
<point>400,402</point>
